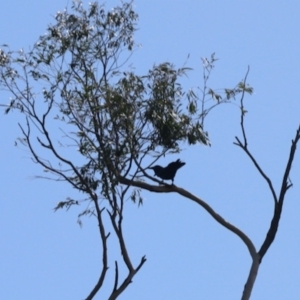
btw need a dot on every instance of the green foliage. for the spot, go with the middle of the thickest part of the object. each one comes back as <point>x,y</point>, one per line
<point>164,110</point>
<point>116,118</point>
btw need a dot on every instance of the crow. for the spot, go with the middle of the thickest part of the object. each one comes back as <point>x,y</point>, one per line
<point>168,172</point>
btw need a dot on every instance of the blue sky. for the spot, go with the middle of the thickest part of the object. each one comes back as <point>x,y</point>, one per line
<point>46,255</point>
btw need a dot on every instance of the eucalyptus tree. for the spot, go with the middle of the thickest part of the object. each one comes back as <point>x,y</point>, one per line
<point>93,123</point>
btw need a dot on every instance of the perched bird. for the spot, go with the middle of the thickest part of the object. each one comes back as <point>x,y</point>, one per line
<point>168,172</point>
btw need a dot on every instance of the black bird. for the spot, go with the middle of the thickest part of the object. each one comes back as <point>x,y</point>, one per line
<point>168,172</point>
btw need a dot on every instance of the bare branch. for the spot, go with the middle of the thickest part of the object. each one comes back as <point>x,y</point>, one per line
<point>262,173</point>
<point>271,234</point>
<point>186,194</point>
<point>104,238</point>
<point>116,276</point>
<point>244,144</point>
<point>115,294</point>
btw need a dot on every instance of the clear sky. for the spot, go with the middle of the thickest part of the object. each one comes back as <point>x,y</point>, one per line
<point>46,255</point>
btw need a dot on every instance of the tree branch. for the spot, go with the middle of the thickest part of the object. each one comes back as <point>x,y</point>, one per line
<point>114,295</point>
<point>186,194</point>
<point>262,173</point>
<point>279,205</point>
<point>104,238</point>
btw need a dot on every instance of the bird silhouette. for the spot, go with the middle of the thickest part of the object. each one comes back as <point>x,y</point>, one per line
<point>168,172</point>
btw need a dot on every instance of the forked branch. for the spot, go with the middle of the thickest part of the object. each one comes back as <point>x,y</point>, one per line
<point>279,205</point>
